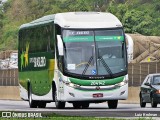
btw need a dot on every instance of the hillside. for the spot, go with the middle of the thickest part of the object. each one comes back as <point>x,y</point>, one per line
<point>137,16</point>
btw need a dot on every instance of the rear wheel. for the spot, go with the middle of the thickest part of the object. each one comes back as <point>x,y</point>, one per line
<point>59,104</point>
<point>112,104</point>
<point>153,104</point>
<point>41,104</point>
<point>142,104</point>
<point>32,103</point>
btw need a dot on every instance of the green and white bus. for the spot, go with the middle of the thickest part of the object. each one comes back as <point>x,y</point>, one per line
<point>75,57</point>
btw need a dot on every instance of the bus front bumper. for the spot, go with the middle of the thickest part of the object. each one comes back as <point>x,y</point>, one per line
<point>73,94</point>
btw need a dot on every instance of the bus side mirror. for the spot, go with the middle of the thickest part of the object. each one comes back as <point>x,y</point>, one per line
<point>60,45</point>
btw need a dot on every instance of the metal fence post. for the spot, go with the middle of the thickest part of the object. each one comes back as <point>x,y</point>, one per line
<point>14,77</point>
<point>10,77</point>
<point>132,73</point>
<point>148,68</point>
<point>140,73</point>
<point>156,67</point>
<point>2,77</point>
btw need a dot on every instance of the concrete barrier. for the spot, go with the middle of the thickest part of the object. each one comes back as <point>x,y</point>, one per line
<point>133,95</point>
<point>12,93</point>
<point>9,93</point>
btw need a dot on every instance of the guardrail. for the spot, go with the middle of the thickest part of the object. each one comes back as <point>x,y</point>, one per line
<point>138,71</point>
<point>9,77</point>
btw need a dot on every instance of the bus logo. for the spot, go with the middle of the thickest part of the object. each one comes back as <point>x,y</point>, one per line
<point>24,57</point>
<point>94,72</point>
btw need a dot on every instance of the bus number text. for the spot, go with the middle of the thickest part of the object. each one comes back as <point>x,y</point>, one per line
<point>98,83</point>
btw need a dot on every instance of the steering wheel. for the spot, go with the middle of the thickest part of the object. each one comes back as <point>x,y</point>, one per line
<point>82,63</point>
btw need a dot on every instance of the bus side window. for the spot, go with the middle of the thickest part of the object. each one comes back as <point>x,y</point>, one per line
<point>51,40</point>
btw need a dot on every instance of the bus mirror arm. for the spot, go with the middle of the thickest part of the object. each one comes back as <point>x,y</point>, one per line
<point>60,45</point>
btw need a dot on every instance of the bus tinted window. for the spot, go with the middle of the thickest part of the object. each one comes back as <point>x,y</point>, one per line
<point>40,39</point>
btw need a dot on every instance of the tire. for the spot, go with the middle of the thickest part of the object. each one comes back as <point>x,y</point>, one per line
<point>112,104</point>
<point>76,105</point>
<point>41,104</point>
<point>59,104</point>
<point>142,104</point>
<point>32,103</point>
<point>153,104</point>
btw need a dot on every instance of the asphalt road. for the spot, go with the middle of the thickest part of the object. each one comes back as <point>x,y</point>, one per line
<point>95,110</point>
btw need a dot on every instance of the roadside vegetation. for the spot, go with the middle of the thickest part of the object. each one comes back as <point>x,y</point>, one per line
<point>137,16</point>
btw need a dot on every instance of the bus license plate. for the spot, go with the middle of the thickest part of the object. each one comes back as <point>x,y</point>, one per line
<point>97,95</point>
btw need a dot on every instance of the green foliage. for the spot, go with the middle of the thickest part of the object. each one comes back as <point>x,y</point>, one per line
<point>137,22</point>
<point>1,18</point>
<point>137,16</point>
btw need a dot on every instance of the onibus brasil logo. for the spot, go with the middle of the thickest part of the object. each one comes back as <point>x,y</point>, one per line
<point>21,115</point>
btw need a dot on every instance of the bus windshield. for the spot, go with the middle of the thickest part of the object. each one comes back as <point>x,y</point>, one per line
<point>94,52</point>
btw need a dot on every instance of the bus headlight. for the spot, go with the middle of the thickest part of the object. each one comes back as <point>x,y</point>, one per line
<point>72,85</point>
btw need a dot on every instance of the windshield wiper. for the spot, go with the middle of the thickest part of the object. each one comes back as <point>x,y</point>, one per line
<point>87,65</point>
<point>106,66</point>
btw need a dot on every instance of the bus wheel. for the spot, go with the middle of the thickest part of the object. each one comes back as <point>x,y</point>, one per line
<point>76,105</point>
<point>59,104</point>
<point>112,104</point>
<point>41,104</point>
<point>85,105</point>
<point>32,103</point>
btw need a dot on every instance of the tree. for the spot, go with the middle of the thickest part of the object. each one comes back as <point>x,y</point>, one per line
<point>137,22</point>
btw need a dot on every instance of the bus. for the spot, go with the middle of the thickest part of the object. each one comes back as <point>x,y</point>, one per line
<point>74,57</point>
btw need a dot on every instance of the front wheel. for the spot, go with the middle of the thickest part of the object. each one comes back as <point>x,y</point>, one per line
<point>59,104</point>
<point>112,104</point>
<point>142,104</point>
<point>32,103</point>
